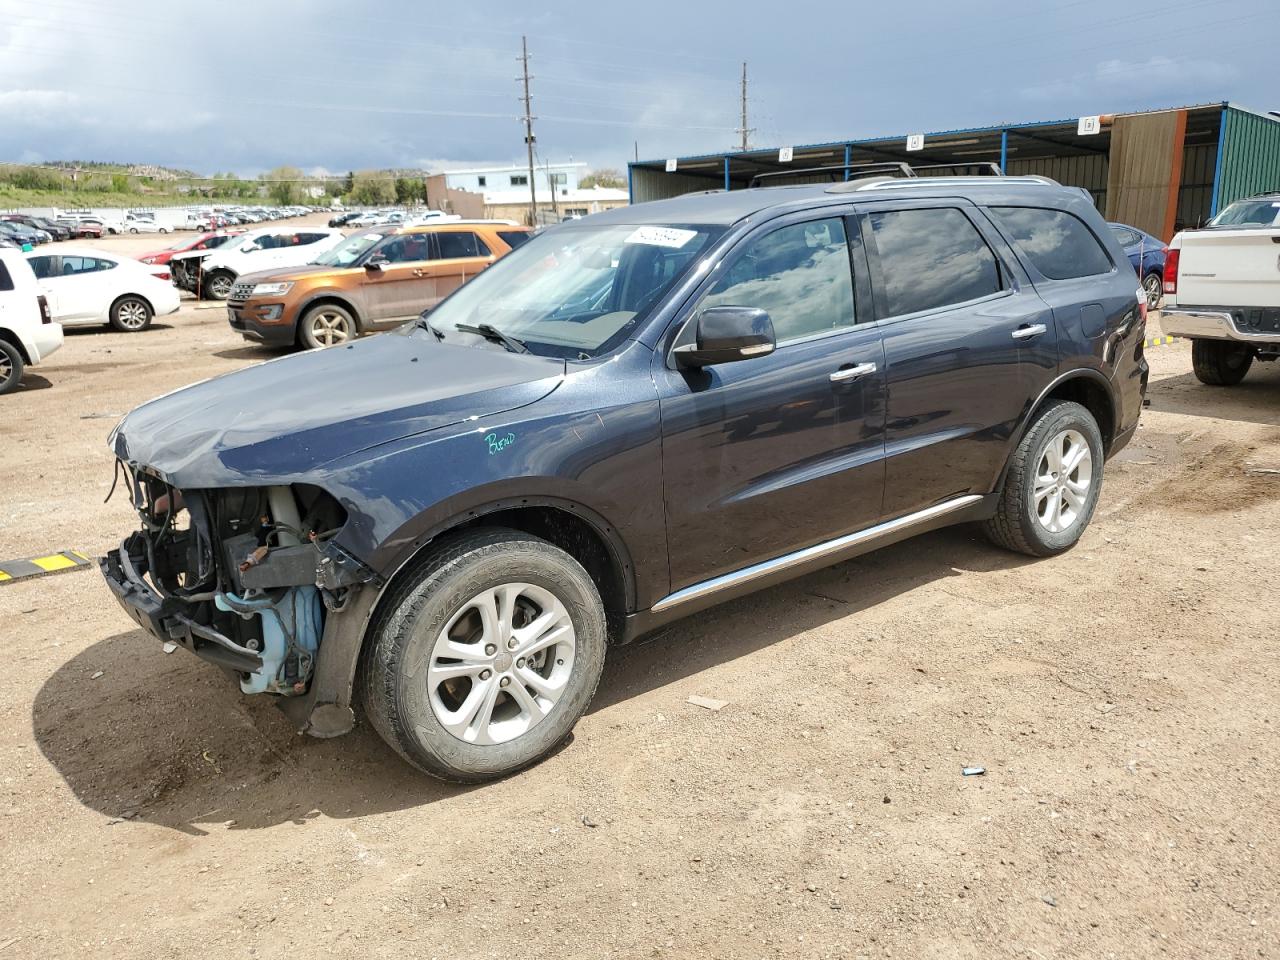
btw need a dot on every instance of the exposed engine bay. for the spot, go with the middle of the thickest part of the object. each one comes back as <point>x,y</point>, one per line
<point>241,576</point>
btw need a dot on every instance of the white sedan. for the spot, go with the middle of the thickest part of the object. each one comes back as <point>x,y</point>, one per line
<point>86,286</point>
<point>135,224</point>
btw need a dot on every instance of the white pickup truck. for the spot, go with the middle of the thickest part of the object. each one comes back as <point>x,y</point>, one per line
<point>1222,290</point>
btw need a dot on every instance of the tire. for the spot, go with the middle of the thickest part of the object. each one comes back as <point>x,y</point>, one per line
<point>131,230</point>
<point>10,367</point>
<point>1153,286</point>
<point>1220,363</point>
<point>327,325</point>
<point>130,314</point>
<point>163,230</point>
<point>1042,510</point>
<point>217,285</point>
<point>426,718</point>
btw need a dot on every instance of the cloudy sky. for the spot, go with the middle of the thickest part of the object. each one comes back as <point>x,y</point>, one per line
<point>237,85</point>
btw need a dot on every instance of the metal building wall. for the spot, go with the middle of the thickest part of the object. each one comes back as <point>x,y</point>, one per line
<point>1087,170</point>
<point>1195,194</point>
<point>659,185</point>
<point>1250,156</point>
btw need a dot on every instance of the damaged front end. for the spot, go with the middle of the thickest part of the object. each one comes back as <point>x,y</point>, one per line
<point>244,577</point>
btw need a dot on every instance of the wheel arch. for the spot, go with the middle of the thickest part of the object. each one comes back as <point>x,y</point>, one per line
<point>1085,386</point>
<point>572,526</point>
<point>9,337</point>
<point>328,297</point>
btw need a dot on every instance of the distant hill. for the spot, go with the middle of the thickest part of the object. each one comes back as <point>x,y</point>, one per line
<point>132,169</point>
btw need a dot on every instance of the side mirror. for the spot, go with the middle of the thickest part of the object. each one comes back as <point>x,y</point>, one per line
<point>375,264</point>
<point>725,334</point>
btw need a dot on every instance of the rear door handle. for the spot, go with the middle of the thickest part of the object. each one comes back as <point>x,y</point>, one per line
<point>853,373</point>
<point>1029,330</point>
<point>418,272</point>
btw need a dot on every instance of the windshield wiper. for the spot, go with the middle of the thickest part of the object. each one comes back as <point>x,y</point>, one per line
<point>424,324</point>
<point>490,332</point>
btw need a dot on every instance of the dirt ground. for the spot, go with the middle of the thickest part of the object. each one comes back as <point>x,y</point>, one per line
<point>1121,697</point>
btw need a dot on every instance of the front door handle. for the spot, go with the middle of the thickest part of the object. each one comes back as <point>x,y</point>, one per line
<point>419,272</point>
<point>1029,330</point>
<point>853,373</point>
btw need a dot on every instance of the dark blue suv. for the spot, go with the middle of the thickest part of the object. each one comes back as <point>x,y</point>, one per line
<point>628,419</point>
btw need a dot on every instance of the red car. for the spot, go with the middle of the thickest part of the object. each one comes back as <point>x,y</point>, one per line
<point>201,241</point>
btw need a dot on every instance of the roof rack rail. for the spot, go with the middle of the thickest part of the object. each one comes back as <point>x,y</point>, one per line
<point>895,183</point>
<point>900,167</point>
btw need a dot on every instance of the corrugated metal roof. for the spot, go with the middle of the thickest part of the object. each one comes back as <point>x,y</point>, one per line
<point>895,138</point>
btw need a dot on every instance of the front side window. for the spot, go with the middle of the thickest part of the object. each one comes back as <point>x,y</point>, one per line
<point>576,290</point>
<point>1059,244</point>
<point>931,259</point>
<point>73,266</point>
<point>42,267</point>
<point>798,274</point>
<point>406,248</point>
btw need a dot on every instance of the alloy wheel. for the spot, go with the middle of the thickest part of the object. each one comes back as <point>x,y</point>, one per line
<point>6,370</point>
<point>501,663</point>
<point>220,286</point>
<point>1154,288</point>
<point>330,328</point>
<point>1064,474</point>
<point>132,315</point>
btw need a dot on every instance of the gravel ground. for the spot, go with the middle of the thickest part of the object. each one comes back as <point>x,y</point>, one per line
<point>1121,698</point>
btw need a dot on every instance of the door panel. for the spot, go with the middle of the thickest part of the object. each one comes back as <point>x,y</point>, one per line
<point>397,292</point>
<point>959,380</point>
<point>769,455</point>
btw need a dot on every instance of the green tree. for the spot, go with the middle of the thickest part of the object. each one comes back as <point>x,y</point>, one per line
<point>605,177</point>
<point>410,190</point>
<point>285,185</point>
<point>371,188</point>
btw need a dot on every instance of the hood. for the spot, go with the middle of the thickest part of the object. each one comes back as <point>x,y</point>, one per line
<point>191,255</point>
<point>284,419</point>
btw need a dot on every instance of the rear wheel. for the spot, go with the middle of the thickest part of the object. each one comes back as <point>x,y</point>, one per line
<point>1153,286</point>
<point>486,656</point>
<point>326,325</point>
<point>1220,363</point>
<point>217,285</point>
<point>1052,484</point>
<point>130,314</point>
<point>10,366</point>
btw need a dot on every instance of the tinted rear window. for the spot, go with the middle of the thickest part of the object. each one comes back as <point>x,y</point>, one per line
<point>513,238</point>
<point>931,259</point>
<point>1059,244</point>
<point>6,281</point>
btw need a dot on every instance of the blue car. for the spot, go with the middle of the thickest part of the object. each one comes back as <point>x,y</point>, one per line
<point>625,420</point>
<point>1146,253</point>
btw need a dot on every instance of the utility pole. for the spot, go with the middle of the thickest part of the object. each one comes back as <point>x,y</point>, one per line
<point>528,131</point>
<point>744,129</point>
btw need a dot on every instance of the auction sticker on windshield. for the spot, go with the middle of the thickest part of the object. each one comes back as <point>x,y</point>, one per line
<point>661,236</point>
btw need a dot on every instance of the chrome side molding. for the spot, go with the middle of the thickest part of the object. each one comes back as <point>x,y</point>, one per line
<point>817,551</point>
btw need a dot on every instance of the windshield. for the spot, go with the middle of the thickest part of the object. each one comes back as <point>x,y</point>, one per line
<point>576,289</point>
<point>1248,213</point>
<point>349,251</point>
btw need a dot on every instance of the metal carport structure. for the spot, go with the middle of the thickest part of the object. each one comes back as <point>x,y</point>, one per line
<point>1158,169</point>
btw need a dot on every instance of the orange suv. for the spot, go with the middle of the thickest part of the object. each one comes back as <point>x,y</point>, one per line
<point>377,278</point>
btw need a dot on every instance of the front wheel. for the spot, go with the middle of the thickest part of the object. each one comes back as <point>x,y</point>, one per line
<point>218,284</point>
<point>133,229</point>
<point>325,326</point>
<point>1052,484</point>
<point>1220,363</point>
<point>10,366</point>
<point>484,658</point>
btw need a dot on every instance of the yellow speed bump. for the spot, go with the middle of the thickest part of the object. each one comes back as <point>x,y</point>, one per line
<point>1159,341</point>
<point>39,566</point>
